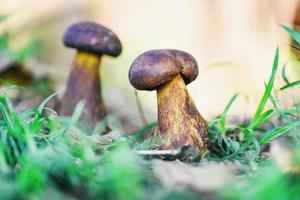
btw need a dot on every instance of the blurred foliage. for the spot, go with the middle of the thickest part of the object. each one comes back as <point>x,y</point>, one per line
<point>270,182</point>
<point>9,55</point>
<point>37,156</point>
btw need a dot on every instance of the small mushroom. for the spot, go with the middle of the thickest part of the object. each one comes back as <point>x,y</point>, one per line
<point>91,41</point>
<point>179,122</point>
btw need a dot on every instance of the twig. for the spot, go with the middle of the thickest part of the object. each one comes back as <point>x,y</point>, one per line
<point>159,152</point>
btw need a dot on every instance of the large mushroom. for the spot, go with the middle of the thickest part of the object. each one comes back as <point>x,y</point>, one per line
<point>91,41</point>
<point>168,72</point>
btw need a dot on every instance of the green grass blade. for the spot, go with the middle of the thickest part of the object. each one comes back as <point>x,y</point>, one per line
<point>77,113</point>
<point>3,164</point>
<point>274,133</point>
<point>11,87</point>
<point>5,112</point>
<point>222,122</point>
<point>290,85</point>
<point>292,33</point>
<point>284,75</point>
<point>268,89</point>
<point>262,118</point>
<point>43,104</point>
<point>36,124</point>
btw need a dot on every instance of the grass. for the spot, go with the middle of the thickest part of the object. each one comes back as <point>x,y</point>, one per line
<point>40,160</point>
<point>45,156</point>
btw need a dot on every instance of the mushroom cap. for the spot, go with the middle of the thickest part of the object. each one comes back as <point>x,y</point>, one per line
<point>92,37</point>
<point>156,67</point>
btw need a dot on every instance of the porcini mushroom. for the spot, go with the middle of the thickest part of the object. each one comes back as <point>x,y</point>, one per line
<point>91,41</point>
<point>168,72</point>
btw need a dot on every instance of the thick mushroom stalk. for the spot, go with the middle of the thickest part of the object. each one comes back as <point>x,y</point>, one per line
<point>84,84</point>
<point>179,122</point>
<point>91,41</point>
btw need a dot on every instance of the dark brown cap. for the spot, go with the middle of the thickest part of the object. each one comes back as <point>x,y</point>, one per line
<point>92,37</point>
<point>156,67</point>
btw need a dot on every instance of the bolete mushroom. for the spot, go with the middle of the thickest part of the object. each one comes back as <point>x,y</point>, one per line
<point>91,41</point>
<point>168,72</point>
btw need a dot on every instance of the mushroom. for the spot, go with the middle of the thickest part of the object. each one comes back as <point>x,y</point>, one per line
<point>91,41</point>
<point>168,72</point>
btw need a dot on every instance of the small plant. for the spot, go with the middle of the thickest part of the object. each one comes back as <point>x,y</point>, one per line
<point>244,142</point>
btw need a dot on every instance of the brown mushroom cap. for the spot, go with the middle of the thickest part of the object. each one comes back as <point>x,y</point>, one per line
<point>156,67</point>
<point>92,37</point>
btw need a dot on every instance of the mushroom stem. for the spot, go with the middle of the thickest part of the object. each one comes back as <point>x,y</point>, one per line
<point>179,122</point>
<point>84,84</point>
